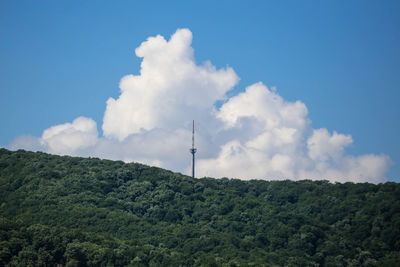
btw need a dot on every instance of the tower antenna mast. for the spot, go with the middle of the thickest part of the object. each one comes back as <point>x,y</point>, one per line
<point>193,150</point>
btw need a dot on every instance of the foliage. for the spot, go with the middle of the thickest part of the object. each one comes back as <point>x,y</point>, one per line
<point>91,212</point>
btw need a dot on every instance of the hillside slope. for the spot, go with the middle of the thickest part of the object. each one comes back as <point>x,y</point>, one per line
<point>91,212</point>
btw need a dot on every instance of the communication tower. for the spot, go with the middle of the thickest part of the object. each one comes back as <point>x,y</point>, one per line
<point>193,150</point>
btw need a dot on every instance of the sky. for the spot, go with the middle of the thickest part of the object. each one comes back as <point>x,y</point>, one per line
<point>278,89</point>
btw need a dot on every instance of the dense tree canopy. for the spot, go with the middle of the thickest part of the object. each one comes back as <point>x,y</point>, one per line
<point>91,212</point>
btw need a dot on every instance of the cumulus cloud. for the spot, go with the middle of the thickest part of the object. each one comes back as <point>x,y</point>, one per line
<point>63,139</point>
<point>170,89</point>
<point>69,138</point>
<point>254,134</point>
<point>322,146</point>
<point>286,147</point>
<point>27,142</point>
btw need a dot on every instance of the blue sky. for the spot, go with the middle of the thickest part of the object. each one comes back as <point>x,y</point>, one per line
<point>63,59</point>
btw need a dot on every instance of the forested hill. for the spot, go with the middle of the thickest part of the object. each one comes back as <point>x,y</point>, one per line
<point>91,212</point>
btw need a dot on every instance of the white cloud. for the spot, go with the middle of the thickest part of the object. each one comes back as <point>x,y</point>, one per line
<point>323,146</point>
<point>170,89</point>
<point>160,147</point>
<point>364,168</point>
<point>27,142</point>
<point>69,138</point>
<point>284,147</point>
<point>264,105</point>
<point>255,134</point>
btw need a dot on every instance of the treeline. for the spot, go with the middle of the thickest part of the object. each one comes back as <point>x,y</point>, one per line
<point>91,212</point>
